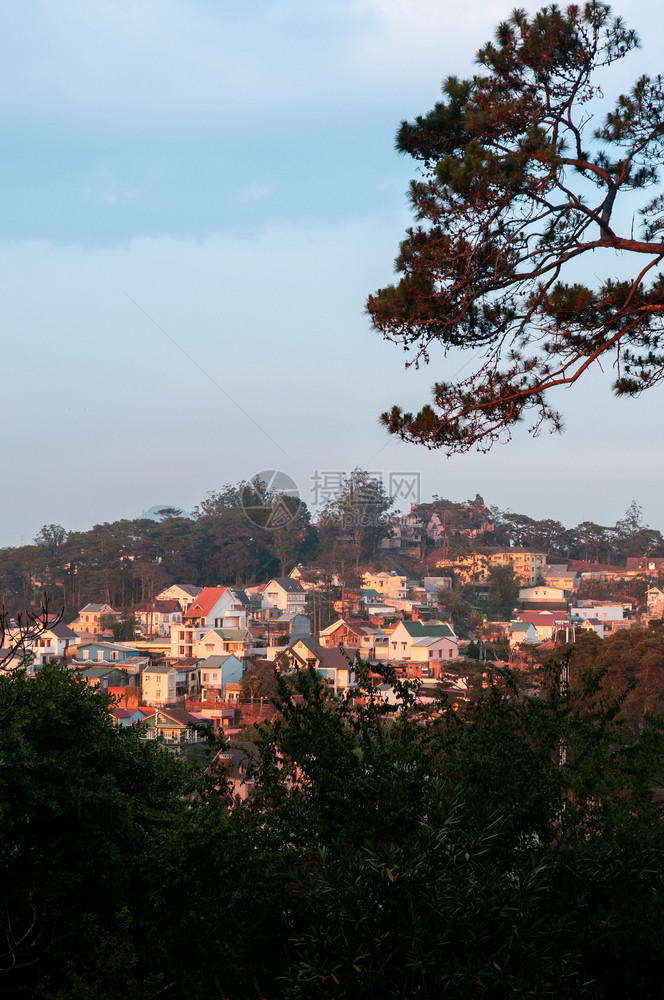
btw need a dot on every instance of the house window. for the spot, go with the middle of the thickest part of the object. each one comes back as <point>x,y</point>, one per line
<point>449,653</point>
<point>181,650</point>
<point>431,652</point>
<point>205,677</point>
<point>158,695</point>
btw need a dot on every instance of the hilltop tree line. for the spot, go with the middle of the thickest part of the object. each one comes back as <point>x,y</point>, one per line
<point>127,562</point>
<point>587,541</point>
<point>227,540</point>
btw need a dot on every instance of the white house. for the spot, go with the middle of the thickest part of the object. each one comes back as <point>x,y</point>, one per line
<point>285,593</point>
<point>422,642</point>
<point>603,612</point>
<point>655,598</point>
<point>156,618</point>
<point>49,644</point>
<point>214,608</point>
<point>158,685</point>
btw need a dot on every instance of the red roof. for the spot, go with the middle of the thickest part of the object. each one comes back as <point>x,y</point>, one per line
<point>204,603</point>
<point>543,618</point>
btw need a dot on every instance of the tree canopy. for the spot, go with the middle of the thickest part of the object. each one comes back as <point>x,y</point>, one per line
<point>525,175</point>
<point>509,848</point>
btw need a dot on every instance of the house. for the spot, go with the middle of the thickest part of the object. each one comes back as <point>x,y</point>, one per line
<point>157,617</point>
<point>89,619</point>
<point>474,567</point>
<point>187,678</point>
<point>100,650</point>
<point>111,654</point>
<point>159,685</point>
<point>649,565</point>
<point>561,578</point>
<point>218,641</point>
<point>543,598</point>
<point>233,693</point>
<point>590,625</point>
<point>291,623</point>
<point>655,600</point>
<point>126,716</point>
<point>356,634</point>
<point>314,579</point>
<point>219,714</point>
<point>470,569</point>
<point>184,593</point>
<point>234,762</point>
<point>405,534</point>
<point>285,593</point>
<point>386,584</point>
<point>216,672</point>
<point>528,566</point>
<point>12,659</point>
<point>549,625</point>
<point>433,585</point>
<point>174,727</point>
<point>103,677</point>
<point>45,643</point>
<point>522,632</point>
<point>215,607</point>
<point>602,612</point>
<point>422,642</point>
<point>330,664</point>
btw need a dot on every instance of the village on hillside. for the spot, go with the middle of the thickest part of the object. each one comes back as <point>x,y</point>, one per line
<point>191,659</point>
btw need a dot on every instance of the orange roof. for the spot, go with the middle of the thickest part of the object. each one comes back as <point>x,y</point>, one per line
<point>204,603</point>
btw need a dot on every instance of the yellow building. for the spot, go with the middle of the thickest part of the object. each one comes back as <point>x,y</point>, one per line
<point>389,584</point>
<point>528,566</point>
<point>474,568</point>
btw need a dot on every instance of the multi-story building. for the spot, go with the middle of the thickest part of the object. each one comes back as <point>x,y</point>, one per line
<point>406,534</point>
<point>474,567</point>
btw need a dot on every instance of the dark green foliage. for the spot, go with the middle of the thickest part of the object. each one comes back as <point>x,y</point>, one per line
<point>503,592</point>
<point>511,848</point>
<point>80,801</point>
<point>354,521</point>
<point>520,182</point>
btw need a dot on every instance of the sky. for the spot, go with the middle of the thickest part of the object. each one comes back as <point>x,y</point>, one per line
<point>196,198</point>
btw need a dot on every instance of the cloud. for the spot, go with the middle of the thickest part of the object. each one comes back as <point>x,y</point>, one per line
<point>157,61</point>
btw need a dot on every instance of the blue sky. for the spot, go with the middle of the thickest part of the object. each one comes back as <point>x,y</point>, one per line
<point>231,169</point>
